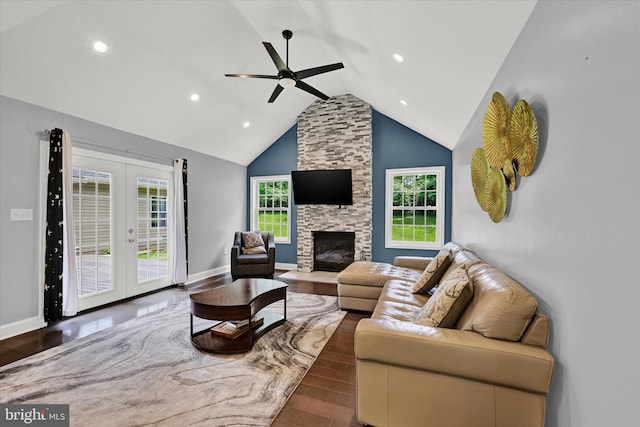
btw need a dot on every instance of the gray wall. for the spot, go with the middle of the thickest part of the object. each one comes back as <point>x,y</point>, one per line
<point>571,234</point>
<point>216,197</point>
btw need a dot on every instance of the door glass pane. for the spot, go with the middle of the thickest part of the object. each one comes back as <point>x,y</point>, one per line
<point>152,229</point>
<point>92,226</point>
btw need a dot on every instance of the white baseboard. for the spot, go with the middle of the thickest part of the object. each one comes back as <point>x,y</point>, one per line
<point>20,327</point>
<point>207,273</point>
<point>284,266</point>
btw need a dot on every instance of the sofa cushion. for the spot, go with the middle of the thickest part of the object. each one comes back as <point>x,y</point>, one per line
<point>374,274</point>
<point>400,291</point>
<point>394,310</point>
<point>252,239</point>
<point>464,257</point>
<point>448,302</point>
<point>501,308</point>
<point>434,271</point>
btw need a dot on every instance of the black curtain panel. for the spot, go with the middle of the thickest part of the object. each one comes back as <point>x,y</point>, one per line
<point>54,237</point>
<point>186,212</point>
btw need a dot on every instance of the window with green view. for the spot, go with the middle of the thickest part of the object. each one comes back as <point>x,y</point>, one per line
<point>414,213</point>
<point>270,206</point>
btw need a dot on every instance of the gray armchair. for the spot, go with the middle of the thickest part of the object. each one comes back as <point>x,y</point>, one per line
<point>253,265</point>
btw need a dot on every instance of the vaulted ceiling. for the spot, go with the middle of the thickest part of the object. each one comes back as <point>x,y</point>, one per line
<point>161,52</point>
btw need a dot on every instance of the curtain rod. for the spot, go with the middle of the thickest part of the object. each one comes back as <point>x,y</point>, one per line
<point>85,141</point>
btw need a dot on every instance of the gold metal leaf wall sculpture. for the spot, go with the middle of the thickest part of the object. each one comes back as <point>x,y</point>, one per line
<point>509,174</point>
<point>523,134</point>
<point>495,188</point>
<point>495,138</point>
<point>479,171</point>
<point>509,148</point>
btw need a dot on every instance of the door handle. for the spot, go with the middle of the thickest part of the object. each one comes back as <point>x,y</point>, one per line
<point>132,240</point>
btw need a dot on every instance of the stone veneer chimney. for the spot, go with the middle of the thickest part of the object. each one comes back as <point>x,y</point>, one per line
<point>336,134</point>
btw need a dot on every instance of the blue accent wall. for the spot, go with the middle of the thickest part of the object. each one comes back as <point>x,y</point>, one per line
<point>394,146</point>
<point>279,159</point>
<point>397,146</point>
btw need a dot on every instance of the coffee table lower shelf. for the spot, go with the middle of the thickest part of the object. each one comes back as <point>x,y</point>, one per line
<point>206,340</point>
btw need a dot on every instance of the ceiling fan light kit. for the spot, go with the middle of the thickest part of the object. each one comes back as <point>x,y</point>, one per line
<point>287,82</point>
<point>288,78</point>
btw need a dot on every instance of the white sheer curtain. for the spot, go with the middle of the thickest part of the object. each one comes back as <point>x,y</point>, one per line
<point>69,282</point>
<point>180,235</point>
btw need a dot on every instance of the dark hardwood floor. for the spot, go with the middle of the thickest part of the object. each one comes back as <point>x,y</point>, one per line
<point>326,396</point>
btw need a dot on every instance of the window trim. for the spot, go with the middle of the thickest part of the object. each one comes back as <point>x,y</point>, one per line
<point>439,171</point>
<point>255,182</point>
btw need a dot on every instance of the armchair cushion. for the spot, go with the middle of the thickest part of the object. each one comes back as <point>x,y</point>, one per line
<point>253,251</point>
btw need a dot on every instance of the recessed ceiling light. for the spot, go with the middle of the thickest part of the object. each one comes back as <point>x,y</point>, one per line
<point>99,46</point>
<point>246,125</point>
<point>398,57</point>
<point>194,97</point>
<point>403,102</point>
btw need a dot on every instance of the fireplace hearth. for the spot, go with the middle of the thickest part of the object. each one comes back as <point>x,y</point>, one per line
<point>333,250</point>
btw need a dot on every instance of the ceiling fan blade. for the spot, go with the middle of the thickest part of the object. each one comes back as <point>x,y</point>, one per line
<point>252,76</point>
<point>313,91</point>
<point>276,58</point>
<point>275,93</point>
<point>319,70</point>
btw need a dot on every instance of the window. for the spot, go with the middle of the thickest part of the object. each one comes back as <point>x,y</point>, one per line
<point>414,214</point>
<point>270,206</point>
<point>92,192</point>
<point>158,211</point>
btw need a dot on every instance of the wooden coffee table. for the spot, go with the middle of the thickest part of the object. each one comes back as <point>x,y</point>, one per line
<point>240,300</point>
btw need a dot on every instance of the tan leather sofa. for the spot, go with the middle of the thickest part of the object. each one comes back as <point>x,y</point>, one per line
<point>492,369</point>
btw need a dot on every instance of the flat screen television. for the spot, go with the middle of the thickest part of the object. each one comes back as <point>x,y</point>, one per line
<point>322,187</point>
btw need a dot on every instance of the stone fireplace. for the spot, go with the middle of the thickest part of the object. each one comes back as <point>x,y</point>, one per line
<point>333,250</point>
<point>336,134</point>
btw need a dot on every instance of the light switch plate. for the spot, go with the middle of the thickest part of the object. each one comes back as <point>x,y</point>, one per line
<point>21,214</point>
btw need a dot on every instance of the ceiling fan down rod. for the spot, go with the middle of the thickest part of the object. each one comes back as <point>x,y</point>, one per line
<point>287,34</point>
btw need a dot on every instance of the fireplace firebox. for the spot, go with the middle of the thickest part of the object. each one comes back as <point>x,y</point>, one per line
<point>333,250</point>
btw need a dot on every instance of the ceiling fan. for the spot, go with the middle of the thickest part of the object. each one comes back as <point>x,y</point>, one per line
<point>288,78</point>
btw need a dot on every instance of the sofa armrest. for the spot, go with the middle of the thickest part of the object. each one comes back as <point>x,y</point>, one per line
<point>412,262</point>
<point>454,352</point>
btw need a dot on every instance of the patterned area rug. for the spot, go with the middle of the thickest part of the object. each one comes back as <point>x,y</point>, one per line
<point>147,372</point>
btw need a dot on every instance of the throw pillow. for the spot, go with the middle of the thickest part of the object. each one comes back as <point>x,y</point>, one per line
<point>252,239</point>
<point>434,271</point>
<point>447,304</point>
<point>256,250</point>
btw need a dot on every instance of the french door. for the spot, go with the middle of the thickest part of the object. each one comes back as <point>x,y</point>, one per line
<point>123,221</point>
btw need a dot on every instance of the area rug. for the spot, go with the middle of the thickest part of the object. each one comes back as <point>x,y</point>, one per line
<point>146,371</point>
<point>314,276</point>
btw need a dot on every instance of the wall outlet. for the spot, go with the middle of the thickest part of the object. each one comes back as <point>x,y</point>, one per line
<point>226,251</point>
<point>21,214</point>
